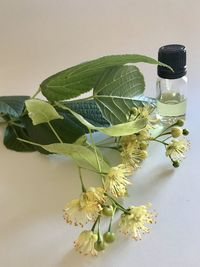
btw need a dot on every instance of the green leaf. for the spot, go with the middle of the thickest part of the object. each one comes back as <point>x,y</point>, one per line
<point>116,90</point>
<point>89,110</point>
<point>12,105</point>
<point>40,111</point>
<point>121,129</point>
<point>11,134</point>
<point>81,78</point>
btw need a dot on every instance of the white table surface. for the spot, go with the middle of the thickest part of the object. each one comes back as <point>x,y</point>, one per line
<point>39,38</point>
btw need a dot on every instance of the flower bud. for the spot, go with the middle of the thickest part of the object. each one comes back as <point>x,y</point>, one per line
<point>176,132</point>
<point>134,111</point>
<point>109,237</point>
<point>100,245</point>
<point>176,164</point>
<point>185,132</point>
<point>107,210</point>
<point>180,123</point>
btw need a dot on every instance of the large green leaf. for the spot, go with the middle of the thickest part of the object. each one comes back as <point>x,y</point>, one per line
<point>121,129</point>
<point>81,78</point>
<point>12,105</point>
<point>10,140</point>
<point>89,110</point>
<point>117,91</point>
<point>40,111</point>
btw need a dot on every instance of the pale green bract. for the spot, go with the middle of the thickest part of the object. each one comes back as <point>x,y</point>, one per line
<point>121,129</point>
<point>40,111</point>
<point>82,155</point>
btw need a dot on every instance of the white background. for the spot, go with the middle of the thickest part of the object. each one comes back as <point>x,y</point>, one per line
<point>39,38</point>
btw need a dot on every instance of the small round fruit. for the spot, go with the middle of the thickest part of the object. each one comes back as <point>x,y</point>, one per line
<point>109,237</point>
<point>100,245</point>
<point>107,210</point>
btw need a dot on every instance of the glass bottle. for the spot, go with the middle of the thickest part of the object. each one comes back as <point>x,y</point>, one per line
<point>171,86</point>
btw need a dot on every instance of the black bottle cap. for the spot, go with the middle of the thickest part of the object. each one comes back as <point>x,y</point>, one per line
<point>173,55</point>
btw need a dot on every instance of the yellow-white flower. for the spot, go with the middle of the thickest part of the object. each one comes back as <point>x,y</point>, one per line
<point>133,155</point>
<point>145,113</point>
<point>134,139</point>
<point>177,148</point>
<point>85,243</point>
<point>128,139</point>
<point>86,208</point>
<point>143,135</point>
<point>96,194</point>
<point>134,222</point>
<point>116,180</point>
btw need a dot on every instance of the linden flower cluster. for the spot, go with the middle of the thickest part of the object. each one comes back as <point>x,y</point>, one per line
<point>134,147</point>
<point>95,203</point>
<point>178,145</point>
<point>129,140</point>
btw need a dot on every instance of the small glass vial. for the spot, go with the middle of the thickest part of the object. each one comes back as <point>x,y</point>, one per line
<point>171,86</point>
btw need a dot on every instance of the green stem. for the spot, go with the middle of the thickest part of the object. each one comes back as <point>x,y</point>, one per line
<point>96,155</point>
<point>166,130</point>
<point>116,203</point>
<point>102,173</point>
<point>36,93</point>
<point>99,236</point>
<point>166,138</point>
<point>81,99</point>
<point>54,131</point>
<point>161,134</point>
<point>171,158</point>
<point>29,142</point>
<point>111,219</point>
<point>81,179</point>
<point>95,223</point>
<point>159,141</point>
